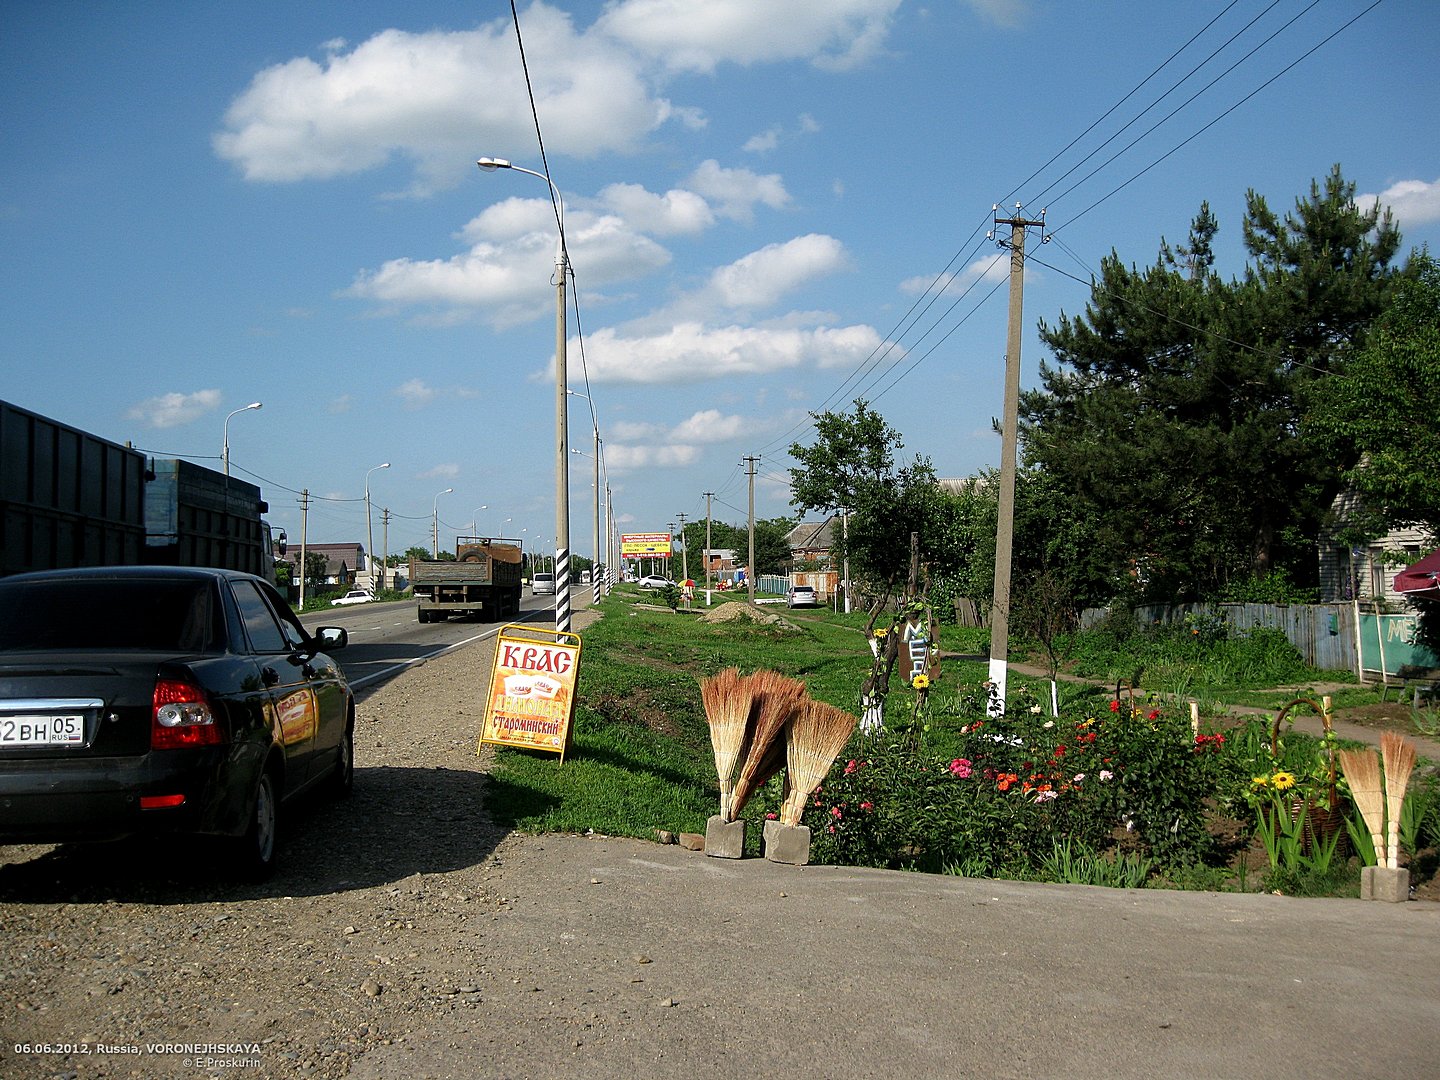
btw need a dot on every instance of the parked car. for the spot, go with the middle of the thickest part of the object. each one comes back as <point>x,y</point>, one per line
<point>542,583</point>
<point>150,699</point>
<point>354,596</point>
<point>801,596</point>
<point>654,581</point>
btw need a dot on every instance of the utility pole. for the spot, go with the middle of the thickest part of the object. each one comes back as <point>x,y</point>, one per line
<point>1009,432</point>
<point>304,523</point>
<point>750,562</point>
<point>684,550</point>
<point>670,551</point>
<point>384,546</point>
<point>706,556</point>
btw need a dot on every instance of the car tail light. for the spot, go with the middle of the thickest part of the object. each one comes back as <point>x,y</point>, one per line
<point>161,802</point>
<point>182,717</point>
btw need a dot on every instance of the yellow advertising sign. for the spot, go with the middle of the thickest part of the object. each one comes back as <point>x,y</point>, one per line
<point>644,545</point>
<point>532,689</point>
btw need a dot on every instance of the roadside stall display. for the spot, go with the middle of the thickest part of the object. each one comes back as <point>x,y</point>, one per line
<point>531,701</point>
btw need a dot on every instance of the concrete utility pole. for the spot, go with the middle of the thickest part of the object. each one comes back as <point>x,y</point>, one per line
<point>708,560</point>
<point>385,546</point>
<point>750,562</point>
<point>670,551</point>
<point>304,524</point>
<point>1005,528</point>
<point>684,550</point>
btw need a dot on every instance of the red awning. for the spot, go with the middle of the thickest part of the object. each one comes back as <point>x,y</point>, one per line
<point>1422,579</point>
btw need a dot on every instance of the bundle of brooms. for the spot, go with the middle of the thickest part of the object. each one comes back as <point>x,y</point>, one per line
<point>762,723</point>
<point>1380,797</point>
<point>813,740</point>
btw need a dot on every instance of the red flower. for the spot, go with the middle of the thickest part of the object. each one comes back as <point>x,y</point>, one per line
<point>1153,714</point>
<point>1114,706</point>
<point>867,806</point>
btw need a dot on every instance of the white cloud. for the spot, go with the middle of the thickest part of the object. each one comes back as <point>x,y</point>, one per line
<point>415,393</point>
<point>663,456</point>
<point>692,352</point>
<point>762,276</point>
<point>1414,201</point>
<point>675,212</point>
<point>513,249</point>
<point>988,268</point>
<point>710,426</point>
<point>174,409</point>
<point>447,471</point>
<point>689,36</point>
<point>762,143</point>
<point>735,192</point>
<point>342,404</point>
<point>438,99</point>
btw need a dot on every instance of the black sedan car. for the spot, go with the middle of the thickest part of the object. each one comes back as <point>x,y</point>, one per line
<point>146,699</point>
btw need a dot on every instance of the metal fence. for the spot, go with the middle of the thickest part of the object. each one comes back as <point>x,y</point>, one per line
<point>1325,634</point>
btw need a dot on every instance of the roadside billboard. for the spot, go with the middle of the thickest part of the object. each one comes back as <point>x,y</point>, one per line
<point>532,690</point>
<point>645,545</point>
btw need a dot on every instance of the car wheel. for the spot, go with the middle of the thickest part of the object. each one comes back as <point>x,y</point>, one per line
<point>256,852</point>
<point>342,780</point>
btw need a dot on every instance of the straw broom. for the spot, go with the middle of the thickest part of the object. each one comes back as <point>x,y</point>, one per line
<point>1399,756</point>
<point>728,700</point>
<point>1362,770</point>
<point>777,698</point>
<point>814,738</point>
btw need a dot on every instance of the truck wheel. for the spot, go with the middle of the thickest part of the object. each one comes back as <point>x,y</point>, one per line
<point>424,616</point>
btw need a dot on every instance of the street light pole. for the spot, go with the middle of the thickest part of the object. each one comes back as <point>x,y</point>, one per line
<point>435,522</point>
<point>562,434</point>
<point>225,433</point>
<point>370,529</point>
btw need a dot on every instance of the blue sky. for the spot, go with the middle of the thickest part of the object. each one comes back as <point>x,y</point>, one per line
<point>205,205</point>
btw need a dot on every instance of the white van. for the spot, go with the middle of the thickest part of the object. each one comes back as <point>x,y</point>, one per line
<point>542,583</point>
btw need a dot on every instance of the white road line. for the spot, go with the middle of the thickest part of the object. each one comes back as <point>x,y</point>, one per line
<point>356,684</point>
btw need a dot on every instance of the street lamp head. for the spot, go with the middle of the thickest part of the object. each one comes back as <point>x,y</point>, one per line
<point>490,164</point>
<point>255,405</point>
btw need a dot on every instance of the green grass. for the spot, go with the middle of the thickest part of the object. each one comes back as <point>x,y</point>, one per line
<point>640,758</point>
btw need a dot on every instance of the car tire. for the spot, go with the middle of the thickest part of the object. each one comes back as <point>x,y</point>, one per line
<point>342,780</point>
<point>256,848</point>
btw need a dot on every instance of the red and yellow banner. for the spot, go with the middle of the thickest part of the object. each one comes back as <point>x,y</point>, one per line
<point>532,689</point>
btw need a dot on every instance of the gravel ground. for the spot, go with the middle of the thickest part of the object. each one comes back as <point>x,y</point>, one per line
<point>148,962</point>
<point>405,936</point>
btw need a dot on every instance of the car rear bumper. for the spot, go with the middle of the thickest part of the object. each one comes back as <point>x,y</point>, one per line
<point>101,798</point>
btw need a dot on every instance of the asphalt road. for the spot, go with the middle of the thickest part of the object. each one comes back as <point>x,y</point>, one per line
<point>386,638</point>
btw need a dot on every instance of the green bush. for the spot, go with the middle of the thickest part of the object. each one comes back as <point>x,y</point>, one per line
<point>993,802</point>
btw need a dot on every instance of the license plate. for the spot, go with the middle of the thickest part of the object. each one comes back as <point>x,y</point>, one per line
<point>67,730</point>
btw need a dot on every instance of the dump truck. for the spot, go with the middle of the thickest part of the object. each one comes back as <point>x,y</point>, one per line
<point>481,582</point>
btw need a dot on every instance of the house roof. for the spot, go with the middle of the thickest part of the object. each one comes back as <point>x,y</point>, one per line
<point>812,536</point>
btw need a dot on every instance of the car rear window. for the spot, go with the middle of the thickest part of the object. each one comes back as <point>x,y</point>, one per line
<point>120,616</point>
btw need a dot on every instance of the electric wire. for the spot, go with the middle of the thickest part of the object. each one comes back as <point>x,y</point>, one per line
<point>1206,127</point>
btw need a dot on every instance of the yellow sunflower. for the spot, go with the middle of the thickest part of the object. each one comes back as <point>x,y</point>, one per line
<point>921,681</point>
<point>1282,780</point>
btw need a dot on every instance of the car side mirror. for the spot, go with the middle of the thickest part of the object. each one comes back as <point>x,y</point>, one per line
<point>332,637</point>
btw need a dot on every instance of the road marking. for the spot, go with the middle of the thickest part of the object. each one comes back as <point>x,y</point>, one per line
<point>356,684</point>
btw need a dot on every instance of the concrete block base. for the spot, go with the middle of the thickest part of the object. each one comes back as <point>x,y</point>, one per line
<point>787,843</point>
<point>724,839</point>
<point>1388,883</point>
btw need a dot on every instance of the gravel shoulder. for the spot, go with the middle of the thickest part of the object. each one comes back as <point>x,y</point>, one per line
<point>405,936</point>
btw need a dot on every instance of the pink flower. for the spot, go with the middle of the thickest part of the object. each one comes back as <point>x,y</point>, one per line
<point>960,767</point>
<point>867,806</point>
<point>836,813</point>
<point>1106,774</point>
<point>771,817</point>
<point>851,766</point>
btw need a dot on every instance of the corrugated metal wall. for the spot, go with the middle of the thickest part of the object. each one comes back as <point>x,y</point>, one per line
<point>1324,633</point>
